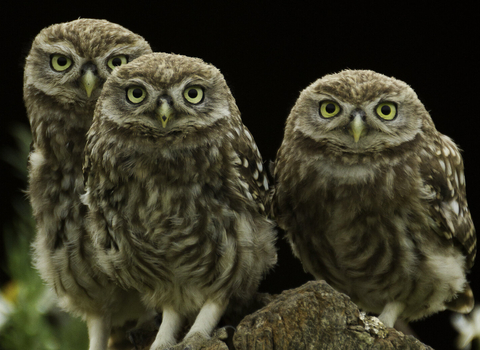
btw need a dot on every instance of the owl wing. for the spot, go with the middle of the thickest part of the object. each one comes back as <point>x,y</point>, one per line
<point>445,181</point>
<point>274,170</point>
<point>250,166</point>
<point>86,166</point>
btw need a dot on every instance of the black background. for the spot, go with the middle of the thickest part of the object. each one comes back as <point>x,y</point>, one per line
<point>268,53</point>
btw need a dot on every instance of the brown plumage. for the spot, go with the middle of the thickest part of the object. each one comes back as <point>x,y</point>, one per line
<point>372,197</point>
<point>64,73</point>
<point>176,191</point>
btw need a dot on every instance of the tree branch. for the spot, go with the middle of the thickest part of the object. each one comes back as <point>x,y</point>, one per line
<point>315,316</point>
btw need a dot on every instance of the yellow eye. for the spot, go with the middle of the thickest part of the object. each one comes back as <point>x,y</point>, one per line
<point>117,61</point>
<point>387,110</point>
<point>329,109</point>
<point>60,62</point>
<point>136,94</point>
<point>193,94</point>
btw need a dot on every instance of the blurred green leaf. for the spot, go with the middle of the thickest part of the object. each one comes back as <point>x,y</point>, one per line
<point>36,323</point>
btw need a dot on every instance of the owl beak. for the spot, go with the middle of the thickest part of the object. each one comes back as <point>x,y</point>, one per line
<point>357,126</point>
<point>165,113</point>
<point>89,81</point>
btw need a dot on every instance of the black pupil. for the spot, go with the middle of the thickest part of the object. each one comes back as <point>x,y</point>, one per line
<point>62,61</point>
<point>117,61</point>
<point>137,93</point>
<point>386,110</point>
<point>192,93</point>
<point>330,108</point>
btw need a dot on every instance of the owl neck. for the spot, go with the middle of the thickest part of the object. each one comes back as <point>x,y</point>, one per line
<point>328,151</point>
<point>153,141</point>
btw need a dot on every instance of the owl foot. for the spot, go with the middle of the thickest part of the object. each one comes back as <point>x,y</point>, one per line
<point>390,313</point>
<point>225,334</point>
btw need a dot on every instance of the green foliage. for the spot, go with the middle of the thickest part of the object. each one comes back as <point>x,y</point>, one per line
<point>35,323</point>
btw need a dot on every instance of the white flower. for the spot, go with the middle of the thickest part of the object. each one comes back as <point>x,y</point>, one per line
<point>468,327</point>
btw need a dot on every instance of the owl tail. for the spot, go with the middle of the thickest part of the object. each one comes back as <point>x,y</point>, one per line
<point>463,302</point>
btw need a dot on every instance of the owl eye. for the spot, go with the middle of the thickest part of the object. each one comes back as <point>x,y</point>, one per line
<point>329,109</point>
<point>117,61</point>
<point>387,110</point>
<point>60,62</point>
<point>193,94</point>
<point>136,94</point>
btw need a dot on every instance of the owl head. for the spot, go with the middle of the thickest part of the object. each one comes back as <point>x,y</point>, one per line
<point>162,94</point>
<point>69,62</point>
<point>358,111</point>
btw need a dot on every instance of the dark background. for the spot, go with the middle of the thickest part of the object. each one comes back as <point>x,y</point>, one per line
<point>268,53</point>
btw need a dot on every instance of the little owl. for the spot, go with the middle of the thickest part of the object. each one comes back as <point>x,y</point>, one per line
<point>64,73</point>
<point>372,197</point>
<point>177,192</point>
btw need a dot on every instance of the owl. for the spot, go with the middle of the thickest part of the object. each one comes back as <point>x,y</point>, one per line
<point>64,72</point>
<point>372,197</point>
<point>177,192</point>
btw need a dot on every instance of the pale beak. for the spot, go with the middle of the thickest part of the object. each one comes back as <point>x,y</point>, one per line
<point>165,113</point>
<point>89,82</point>
<point>357,127</point>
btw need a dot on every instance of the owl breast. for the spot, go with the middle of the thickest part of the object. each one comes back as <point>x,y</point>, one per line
<point>55,167</point>
<point>365,229</point>
<point>174,215</point>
